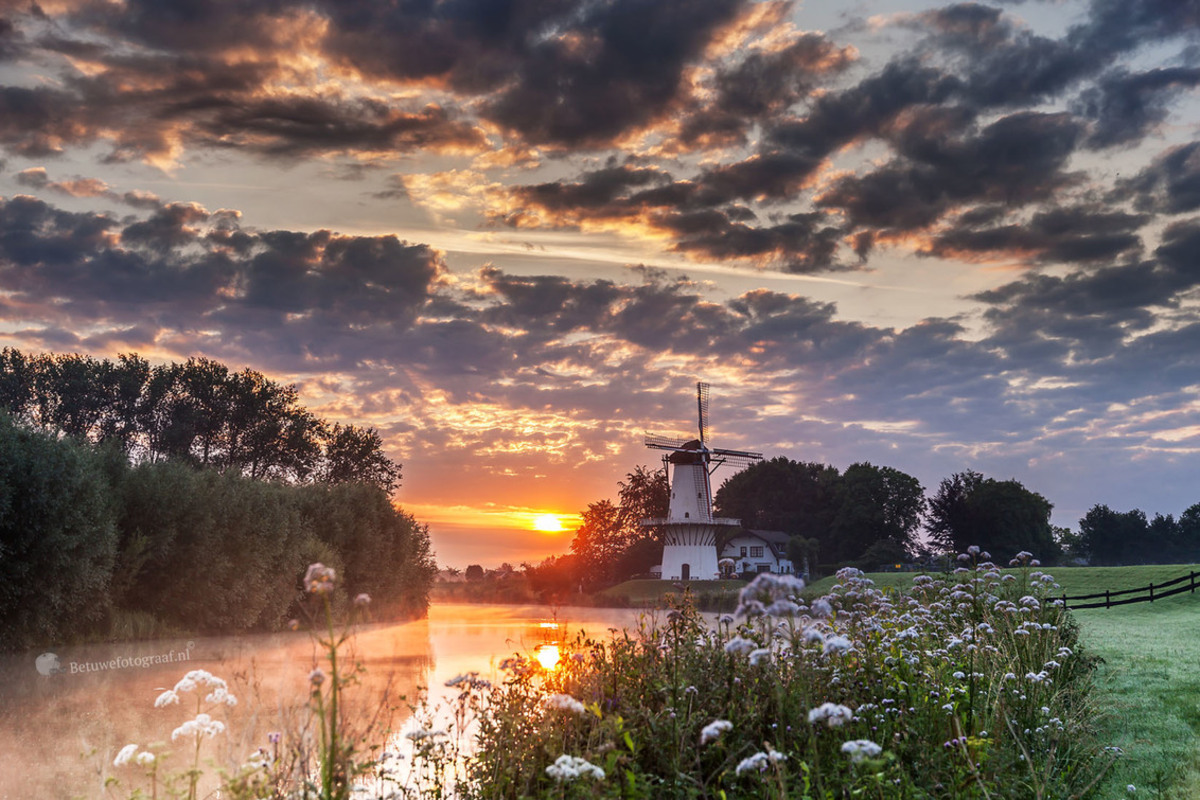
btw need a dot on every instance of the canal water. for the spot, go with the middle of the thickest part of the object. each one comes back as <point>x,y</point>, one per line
<point>64,715</point>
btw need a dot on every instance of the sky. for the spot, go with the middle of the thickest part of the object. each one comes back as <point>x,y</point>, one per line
<point>513,235</point>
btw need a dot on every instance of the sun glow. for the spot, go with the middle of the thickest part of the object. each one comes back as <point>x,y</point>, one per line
<point>547,523</point>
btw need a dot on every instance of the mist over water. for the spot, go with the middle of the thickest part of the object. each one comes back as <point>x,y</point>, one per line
<point>61,731</point>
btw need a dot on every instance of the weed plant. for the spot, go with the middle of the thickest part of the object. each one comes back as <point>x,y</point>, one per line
<point>966,686</point>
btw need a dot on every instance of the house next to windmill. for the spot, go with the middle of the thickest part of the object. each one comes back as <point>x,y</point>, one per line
<point>690,531</point>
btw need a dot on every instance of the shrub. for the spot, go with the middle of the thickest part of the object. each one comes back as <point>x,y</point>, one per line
<point>57,538</point>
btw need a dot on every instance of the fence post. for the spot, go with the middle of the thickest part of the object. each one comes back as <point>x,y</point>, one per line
<point>1192,581</point>
<point>1152,593</point>
<point>1106,605</point>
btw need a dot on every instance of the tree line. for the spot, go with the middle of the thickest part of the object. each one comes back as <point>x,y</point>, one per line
<point>199,412</point>
<point>94,545</point>
<point>867,516</point>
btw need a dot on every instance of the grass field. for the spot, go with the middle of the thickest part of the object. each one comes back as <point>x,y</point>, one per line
<point>1148,684</point>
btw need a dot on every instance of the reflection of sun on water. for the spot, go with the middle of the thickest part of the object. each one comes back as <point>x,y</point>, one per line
<point>547,655</point>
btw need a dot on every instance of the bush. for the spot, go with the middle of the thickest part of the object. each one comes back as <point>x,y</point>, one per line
<point>57,538</point>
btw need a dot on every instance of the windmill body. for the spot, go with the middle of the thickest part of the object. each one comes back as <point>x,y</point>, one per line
<point>690,531</point>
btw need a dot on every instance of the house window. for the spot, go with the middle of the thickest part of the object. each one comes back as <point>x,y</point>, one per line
<point>756,552</point>
<point>743,555</point>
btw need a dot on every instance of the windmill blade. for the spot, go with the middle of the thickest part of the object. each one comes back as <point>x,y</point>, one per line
<point>739,459</point>
<point>738,462</point>
<point>702,404</point>
<point>664,442</point>
<point>720,451</point>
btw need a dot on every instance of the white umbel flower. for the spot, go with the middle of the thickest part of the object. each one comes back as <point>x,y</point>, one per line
<point>569,768</point>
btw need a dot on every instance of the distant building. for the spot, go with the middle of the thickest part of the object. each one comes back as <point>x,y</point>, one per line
<point>756,551</point>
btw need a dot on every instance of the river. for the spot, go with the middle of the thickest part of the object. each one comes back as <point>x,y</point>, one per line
<point>61,731</point>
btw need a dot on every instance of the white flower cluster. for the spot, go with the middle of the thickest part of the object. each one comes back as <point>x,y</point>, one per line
<point>563,702</point>
<point>760,761</point>
<point>130,753</point>
<point>766,592</point>
<point>833,715</point>
<point>713,730</point>
<point>569,768</point>
<point>861,749</point>
<point>202,725</point>
<point>220,694</point>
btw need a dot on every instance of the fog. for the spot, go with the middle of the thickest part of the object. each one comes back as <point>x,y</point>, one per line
<point>61,731</point>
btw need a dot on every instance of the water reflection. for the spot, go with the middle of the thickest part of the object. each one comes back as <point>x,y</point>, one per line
<point>62,731</point>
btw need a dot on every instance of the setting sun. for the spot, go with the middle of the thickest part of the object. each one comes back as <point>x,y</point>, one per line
<point>547,523</point>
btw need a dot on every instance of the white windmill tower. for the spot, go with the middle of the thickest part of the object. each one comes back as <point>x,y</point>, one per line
<point>689,529</point>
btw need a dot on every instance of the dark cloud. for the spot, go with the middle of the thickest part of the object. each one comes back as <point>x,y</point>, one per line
<point>1125,107</point>
<point>1171,184</point>
<point>1016,160</point>
<point>1080,234</point>
<point>185,268</point>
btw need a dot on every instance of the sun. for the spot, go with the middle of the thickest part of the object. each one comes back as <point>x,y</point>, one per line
<point>547,523</point>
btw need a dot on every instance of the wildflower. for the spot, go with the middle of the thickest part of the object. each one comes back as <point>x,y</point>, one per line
<point>1130,788</point>
<point>316,677</point>
<point>362,599</point>
<point>832,714</point>
<point>714,729</point>
<point>568,768</point>
<point>760,655</point>
<point>859,749</point>
<point>837,644</point>
<point>564,702</point>
<point>202,725</point>
<point>221,695</point>
<point>125,755</point>
<point>739,645</point>
<point>166,698</point>
<point>275,737</point>
<point>294,624</point>
<point>759,761</point>
<point>725,619</point>
<point>319,579</point>
<point>814,636</point>
<point>145,759</point>
<point>821,608</point>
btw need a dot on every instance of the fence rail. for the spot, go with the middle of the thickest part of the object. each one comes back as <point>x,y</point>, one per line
<point>1145,594</point>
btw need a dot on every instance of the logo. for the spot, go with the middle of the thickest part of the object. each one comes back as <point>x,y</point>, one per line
<point>48,664</point>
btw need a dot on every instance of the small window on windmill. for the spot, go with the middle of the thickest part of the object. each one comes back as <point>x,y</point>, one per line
<point>699,495</point>
<point>743,551</point>
<point>756,552</point>
<point>686,515</point>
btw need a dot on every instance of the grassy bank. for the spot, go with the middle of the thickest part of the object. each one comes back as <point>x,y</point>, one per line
<point>1148,689</point>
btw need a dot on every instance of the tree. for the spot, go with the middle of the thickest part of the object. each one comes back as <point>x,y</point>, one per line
<point>803,553</point>
<point>797,498</point>
<point>1003,517</point>
<point>353,454</point>
<point>474,573</point>
<point>600,541</point>
<point>1110,537</point>
<point>876,504</point>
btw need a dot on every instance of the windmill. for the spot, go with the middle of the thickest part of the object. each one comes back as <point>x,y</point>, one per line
<point>689,529</point>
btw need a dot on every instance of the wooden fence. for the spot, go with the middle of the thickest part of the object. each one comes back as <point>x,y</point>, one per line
<point>1146,594</point>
